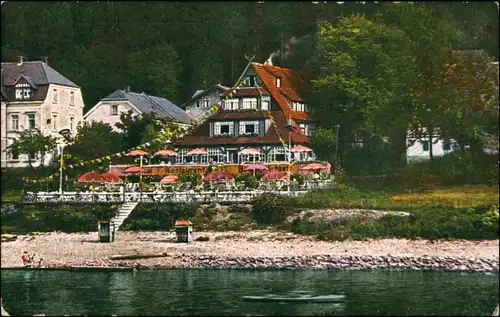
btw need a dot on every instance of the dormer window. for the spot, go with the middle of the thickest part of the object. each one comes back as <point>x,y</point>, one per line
<point>206,102</point>
<point>197,103</point>
<point>298,106</point>
<point>278,82</point>
<point>23,91</point>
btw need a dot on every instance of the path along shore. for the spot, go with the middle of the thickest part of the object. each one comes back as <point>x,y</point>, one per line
<point>252,249</point>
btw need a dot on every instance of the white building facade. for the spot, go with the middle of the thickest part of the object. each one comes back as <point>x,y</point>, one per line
<point>35,96</point>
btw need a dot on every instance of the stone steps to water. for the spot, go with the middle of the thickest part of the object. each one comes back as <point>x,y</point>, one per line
<point>125,211</point>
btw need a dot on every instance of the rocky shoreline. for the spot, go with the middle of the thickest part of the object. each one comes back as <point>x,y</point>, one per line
<point>251,250</point>
<point>329,262</point>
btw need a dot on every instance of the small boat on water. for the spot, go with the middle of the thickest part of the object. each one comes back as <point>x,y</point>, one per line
<point>300,298</point>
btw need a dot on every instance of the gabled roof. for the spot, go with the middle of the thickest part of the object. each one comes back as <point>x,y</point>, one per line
<point>200,137</point>
<point>293,84</point>
<point>198,93</point>
<point>38,73</point>
<point>151,104</point>
<point>28,80</point>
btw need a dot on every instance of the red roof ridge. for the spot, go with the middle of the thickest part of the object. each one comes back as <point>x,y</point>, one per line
<point>280,67</point>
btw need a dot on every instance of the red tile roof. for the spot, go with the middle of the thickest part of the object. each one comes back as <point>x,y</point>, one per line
<point>200,137</point>
<point>293,84</point>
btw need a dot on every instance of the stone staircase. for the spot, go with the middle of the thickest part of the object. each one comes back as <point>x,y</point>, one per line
<point>125,210</point>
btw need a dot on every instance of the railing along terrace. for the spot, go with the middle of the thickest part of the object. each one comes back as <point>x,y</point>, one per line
<point>190,196</point>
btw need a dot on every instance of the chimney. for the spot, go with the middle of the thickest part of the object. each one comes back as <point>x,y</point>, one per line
<point>127,89</point>
<point>269,60</point>
<point>45,59</point>
<point>21,60</point>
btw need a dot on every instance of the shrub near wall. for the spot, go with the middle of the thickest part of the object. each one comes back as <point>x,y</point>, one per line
<point>269,209</point>
<point>430,223</point>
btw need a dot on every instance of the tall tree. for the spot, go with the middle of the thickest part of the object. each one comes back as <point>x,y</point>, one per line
<point>364,73</point>
<point>323,144</point>
<point>432,35</point>
<point>33,143</point>
<point>472,114</point>
<point>146,127</point>
<point>84,146</point>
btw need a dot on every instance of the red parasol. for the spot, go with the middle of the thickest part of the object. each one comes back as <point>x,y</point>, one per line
<point>250,150</point>
<point>166,152</point>
<point>169,179</point>
<point>219,176</point>
<point>306,172</point>
<point>313,166</point>
<point>197,152</point>
<point>275,175</point>
<point>112,178</point>
<point>300,148</point>
<point>91,177</point>
<point>134,169</point>
<point>137,153</point>
<point>256,167</point>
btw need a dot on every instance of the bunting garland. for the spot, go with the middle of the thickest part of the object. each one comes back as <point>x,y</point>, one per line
<point>211,111</point>
<point>96,160</point>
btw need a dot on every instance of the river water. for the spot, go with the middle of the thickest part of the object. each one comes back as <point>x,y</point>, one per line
<point>206,292</point>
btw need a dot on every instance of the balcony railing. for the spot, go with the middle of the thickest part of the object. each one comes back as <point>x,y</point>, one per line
<point>161,196</point>
<point>149,197</point>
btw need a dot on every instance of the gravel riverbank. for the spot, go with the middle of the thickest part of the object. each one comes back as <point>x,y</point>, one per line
<point>252,249</point>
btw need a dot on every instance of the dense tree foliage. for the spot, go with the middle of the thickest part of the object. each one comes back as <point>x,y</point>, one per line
<point>136,130</point>
<point>84,146</point>
<point>397,72</point>
<point>98,43</point>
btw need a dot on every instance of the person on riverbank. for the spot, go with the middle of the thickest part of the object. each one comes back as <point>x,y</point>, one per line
<point>27,259</point>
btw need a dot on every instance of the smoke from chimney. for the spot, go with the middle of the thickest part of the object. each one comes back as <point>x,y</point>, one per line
<point>127,89</point>
<point>21,60</point>
<point>286,48</point>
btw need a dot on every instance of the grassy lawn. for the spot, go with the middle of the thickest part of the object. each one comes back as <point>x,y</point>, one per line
<point>456,196</point>
<point>343,196</point>
<point>11,196</point>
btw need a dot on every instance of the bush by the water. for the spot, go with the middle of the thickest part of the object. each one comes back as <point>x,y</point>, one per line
<point>431,223</point>
<point>56,217</point>
<point>269,209</point>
